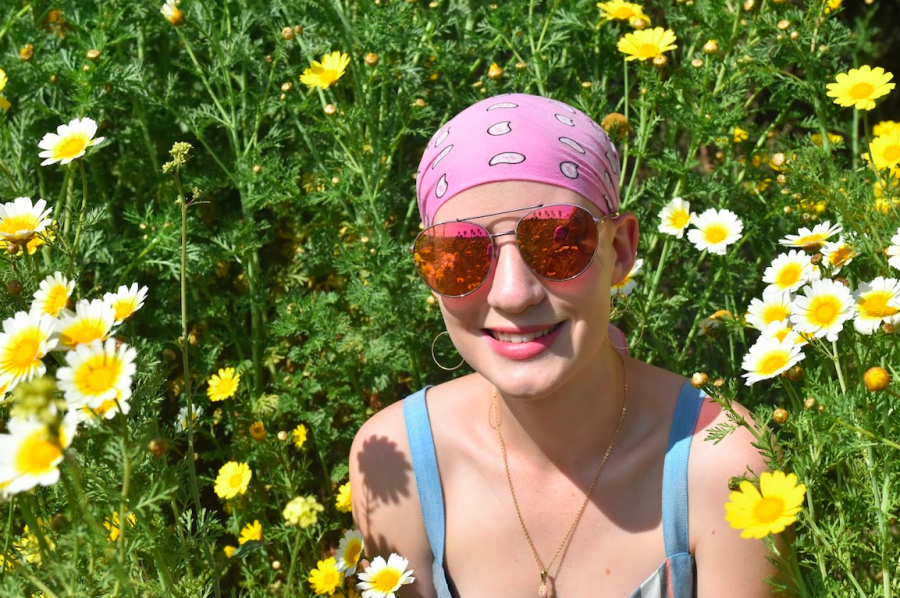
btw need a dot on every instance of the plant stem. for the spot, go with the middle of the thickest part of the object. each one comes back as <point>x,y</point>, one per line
<point>296,551</point>
<point>84,195</point>
<point>837,366</point>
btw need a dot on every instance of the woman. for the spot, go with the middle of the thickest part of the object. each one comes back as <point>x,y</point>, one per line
<point>545,472</point>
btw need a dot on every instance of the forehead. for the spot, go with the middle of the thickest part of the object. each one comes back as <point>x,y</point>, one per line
<point>507,195</point>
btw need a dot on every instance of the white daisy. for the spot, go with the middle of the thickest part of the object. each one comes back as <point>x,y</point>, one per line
<point>781,330</point>
<point>768,357</point>
<point>839,254</point>
<point>627,284</point>
<point>69,142</point>
<point>25,339</point>
<point>775,305</point>
<point>53,294</point>
<point>382,579</point>
<point>126,301</point>
<point>874,304</point>
<point>97,372</point>
<point>811,239</point>
<point>893,251</point>
<point>822,309</point>
<point>105,410</point>
<point>183,416</point>
<point>715,230</point>
<point>29,455</point>
<point>20,220</point>
<point>675,217</point>
<point>349,550</point>
<point>789,271</point>
<point>91,320</point>
<point>172,13</point>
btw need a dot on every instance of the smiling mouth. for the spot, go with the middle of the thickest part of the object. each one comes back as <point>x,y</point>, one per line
<point>522,338</point>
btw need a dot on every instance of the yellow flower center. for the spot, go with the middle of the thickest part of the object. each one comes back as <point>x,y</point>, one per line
<point>226,387</point>
<point>861,90</point>
<point>769,509</point>
<point>840,256</point>
<point>330,578</point>
<point>83,331</point>
<point>775,313</point>
<point>716,233</point>
<point>70,147</point>
<point>874,305</point>
<point>646,51</point>
<point>21,222</point>
<point>56,300</point>
<point>386,580</point>
<point>789,275</point>
<point>98,375</point>
<point>36,454</point>
<point>824,310</point>
<point>892,153</point>
<point>678,219</point>
<point>236,480</point>
<point>351,555</point>
<point>124,308</point>
<point>23,351</point>
<point>772,362</point>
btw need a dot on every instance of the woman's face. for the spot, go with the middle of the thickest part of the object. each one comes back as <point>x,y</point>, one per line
<point>514,300</point>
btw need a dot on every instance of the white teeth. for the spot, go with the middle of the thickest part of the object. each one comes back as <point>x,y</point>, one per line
<point>521,338</point>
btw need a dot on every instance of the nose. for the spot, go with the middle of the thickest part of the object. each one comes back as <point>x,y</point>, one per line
<point>513,286</point>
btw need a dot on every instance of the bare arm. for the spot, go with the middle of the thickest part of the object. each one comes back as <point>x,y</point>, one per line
<point>727,565</point>
<point>386,507</point>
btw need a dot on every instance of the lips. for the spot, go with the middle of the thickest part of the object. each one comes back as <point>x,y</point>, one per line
<point>522,335</point>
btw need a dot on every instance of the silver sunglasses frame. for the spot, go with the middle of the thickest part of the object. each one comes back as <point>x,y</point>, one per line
<point>597,223</point>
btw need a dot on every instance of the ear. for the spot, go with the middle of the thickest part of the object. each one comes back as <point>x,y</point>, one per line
<point>624,233</point>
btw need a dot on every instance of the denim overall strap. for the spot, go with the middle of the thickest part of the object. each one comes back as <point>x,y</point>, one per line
<point>424,461</point>
<point>675,470</point>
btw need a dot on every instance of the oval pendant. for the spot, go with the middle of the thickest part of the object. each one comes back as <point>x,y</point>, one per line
<point>543,592</point>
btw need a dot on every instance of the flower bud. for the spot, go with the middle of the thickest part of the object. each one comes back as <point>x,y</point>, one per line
<point>876,379</point>
<point>27,52</point>
<point>660,61</point>
<point>419,103</point>
<point>697,63</point>
<point>287,34</point>
<point>330,109</point>
<point>12,248</point>
<point>14,287</point>
<point>778,160</point>
<point>286,86</point>
<point>638,23</point>
<point>93,54</point>
<point>719,382</point>
<point>276,565</point>
<point>887,328</point>
<point>809,403</point>
<point>795,35</point>
<point>371,59</point>
<point>158,447</point>
<point>521,66</point>
<point>586,84</point>
<point>298,29</point>
<point>616,125</point>
<point>711,47</point>
<point>699,380</point>
<point>795,374</point>
<point>783,24</point>
<point>257,169</point>
<point>780,416</point>
<point>282,435</point>
<point>495,72</point>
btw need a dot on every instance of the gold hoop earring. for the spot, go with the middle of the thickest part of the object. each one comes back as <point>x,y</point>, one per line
<point>613,345</point>
<point>435,359</point>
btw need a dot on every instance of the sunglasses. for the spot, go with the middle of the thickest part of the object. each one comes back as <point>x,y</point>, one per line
<point>557,242</point>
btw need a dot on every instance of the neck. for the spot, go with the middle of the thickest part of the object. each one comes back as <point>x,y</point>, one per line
<point>569,430</point>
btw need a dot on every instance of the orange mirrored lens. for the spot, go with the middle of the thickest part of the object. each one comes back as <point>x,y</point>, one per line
<point>453,258</point>
<point>557,242</point>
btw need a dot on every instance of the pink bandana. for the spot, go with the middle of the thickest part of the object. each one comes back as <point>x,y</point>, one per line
<point>519,137</point>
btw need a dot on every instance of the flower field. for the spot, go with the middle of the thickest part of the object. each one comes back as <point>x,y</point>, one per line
<point>205,215</point>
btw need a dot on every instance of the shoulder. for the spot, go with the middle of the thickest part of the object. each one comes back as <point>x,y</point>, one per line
<point>726,563</point>
<point>385,502</point>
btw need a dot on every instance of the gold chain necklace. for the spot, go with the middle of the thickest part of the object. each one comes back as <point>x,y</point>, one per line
<point>543,591</point>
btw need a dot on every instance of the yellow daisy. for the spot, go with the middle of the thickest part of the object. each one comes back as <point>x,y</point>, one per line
<point>4,103</point>
<point>740,135</point>
<point>884,127</point>
<point>885,151</point>
<point>251,531</point>
<point>822,309</point>
<point>860,87</point>
<point>769,512</point>
<point>69,142</point>
<point>832,138</point>
<point>325,578</point>
<point>233,479</point>
<point>258,431</point>
<point>324,74</point>
<point>229,550</point>
<point>115,524</point>
<point>299,435</point>
<point>349,550</point>
<point>343,503</point>
<point>675,217</point>
<point>876,302</point>
<point>882,202</point>
<point>224,385</point>
<point>647,44</point>
<point>53,294</point>
<point>619,10</point>
<point>382,579</point>
<point>769,356</point>
<point>831,5</point>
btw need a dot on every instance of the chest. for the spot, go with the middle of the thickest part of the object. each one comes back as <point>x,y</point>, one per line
<point>615,545</point>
